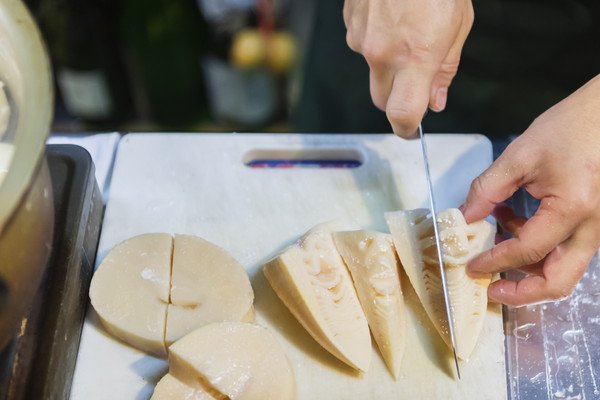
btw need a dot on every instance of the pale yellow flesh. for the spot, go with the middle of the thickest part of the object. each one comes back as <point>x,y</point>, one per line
<point>372,261</point>
<point>412,232</point>
<point>312,281</point>
<point>207,285</point>
<point>234,360</point>
<point>130,291</point>
<point>152,290</point>
<point>171,388</point>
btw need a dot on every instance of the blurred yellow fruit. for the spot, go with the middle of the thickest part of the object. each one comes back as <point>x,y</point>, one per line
<point>281,51</point>
<point>248,49</point>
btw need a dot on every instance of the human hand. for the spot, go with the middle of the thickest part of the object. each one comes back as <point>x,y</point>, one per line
<point>557,160</point>
<point>413,49</point>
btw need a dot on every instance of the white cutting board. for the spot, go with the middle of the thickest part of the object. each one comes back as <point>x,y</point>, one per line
<point>198,184</point>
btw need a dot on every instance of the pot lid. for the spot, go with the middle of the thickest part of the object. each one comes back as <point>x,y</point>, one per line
<point>26,103</point>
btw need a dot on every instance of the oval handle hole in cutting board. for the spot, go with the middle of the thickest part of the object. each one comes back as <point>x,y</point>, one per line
<point>303,158</point>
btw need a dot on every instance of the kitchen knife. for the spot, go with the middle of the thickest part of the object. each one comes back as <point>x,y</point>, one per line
<point>439,249</point>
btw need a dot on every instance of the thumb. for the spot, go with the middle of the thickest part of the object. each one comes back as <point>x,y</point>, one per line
<point>493,186</point>
<point>408,100</point>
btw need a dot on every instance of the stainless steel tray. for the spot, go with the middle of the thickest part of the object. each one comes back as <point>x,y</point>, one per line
<point>553,349</point>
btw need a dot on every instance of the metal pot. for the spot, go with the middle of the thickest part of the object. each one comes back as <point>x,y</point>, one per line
<point>26,209</point>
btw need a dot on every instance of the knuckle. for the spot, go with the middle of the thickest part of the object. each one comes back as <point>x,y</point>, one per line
<point>531,254</point>
<point>449,68</point>
<point>495,253</point>
<point>402,116</point>
<point>444,77</point>
<point>352,43</point>
<point>478,186</point>
<point>375,52</point>
<point>522,152</point>
<point>378,100</point>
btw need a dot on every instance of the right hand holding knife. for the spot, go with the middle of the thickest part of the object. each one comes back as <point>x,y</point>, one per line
<point>413,49</point>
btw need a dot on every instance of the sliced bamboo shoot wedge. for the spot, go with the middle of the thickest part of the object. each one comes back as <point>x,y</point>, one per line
<point>413,236</point>
<point>313,282</point>
<point>372,261</point>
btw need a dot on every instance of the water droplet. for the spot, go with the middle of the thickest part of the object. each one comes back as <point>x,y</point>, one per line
<point>571,336</point>
<point>594,320</point>
<point>523,332</point>
<point>537,378</point>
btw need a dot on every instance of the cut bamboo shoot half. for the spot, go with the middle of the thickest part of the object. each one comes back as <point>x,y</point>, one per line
<point>207,285</point>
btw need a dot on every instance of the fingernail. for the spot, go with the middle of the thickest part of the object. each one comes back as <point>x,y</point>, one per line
<point>440,99</point>
<point>472,273</point>
<point>478,275</point>
<point>492,294</point>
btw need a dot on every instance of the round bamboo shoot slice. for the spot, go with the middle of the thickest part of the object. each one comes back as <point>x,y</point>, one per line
<point>151,290</point>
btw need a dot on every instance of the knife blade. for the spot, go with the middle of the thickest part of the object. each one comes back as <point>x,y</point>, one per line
<point>439,249</point>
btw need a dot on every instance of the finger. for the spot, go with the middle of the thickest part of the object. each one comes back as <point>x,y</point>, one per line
<point>354,26</point>
<point>438,97</point>
<point>497,183</point>
<point>512,224</point>
<point>408,99</point>
<point>536,238</point>
<point>380,86</point>
<point>449,66</point>
<point>563,268</point>
<point>354,36</point>
<point>516,293</point>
